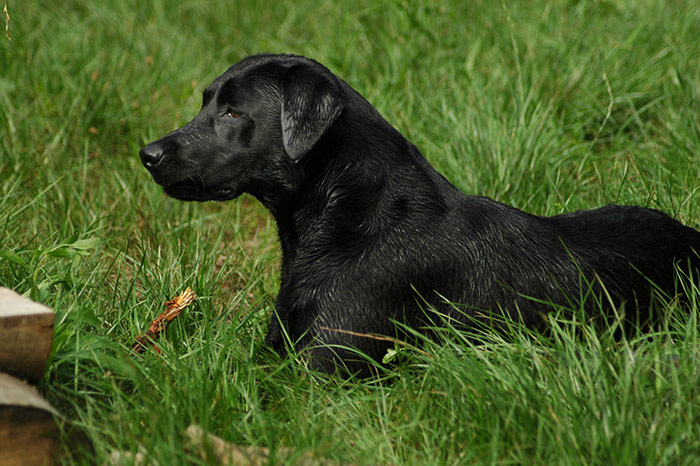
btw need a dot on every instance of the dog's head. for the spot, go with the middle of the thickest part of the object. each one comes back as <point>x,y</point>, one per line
<point>257,119</point>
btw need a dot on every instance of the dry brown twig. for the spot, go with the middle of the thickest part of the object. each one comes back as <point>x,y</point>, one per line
<point>215,450</point>
<point>377,337</point>
<point>172,310</point>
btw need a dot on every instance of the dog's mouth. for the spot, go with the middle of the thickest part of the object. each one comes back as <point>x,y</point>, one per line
<point>185,190</point>
<point>194,190</point>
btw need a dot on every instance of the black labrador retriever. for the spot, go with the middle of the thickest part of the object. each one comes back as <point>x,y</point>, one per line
<point>372,235</point>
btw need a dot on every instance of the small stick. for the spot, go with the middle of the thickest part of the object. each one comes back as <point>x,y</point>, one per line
<point>172,310</point>
<point>377,337</point>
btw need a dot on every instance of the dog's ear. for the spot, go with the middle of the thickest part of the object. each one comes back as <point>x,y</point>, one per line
<point>310,104</point>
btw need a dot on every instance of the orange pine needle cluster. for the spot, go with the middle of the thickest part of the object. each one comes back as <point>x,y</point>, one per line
<point>172,310</point>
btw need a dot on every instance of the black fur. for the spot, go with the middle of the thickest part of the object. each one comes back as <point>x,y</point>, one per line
<point>370,232</point>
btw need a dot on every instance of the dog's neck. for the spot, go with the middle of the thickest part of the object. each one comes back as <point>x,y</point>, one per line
<point>351,200</point>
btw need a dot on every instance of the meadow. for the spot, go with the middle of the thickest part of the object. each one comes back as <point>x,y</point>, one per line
<point>549,106</point>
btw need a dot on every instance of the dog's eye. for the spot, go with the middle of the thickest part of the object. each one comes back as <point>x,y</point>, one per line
<point>232,114</point>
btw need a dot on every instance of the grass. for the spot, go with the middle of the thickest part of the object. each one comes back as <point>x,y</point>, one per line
<point>548,106</point>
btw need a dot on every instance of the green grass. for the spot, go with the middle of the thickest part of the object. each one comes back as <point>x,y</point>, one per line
<point>548,106</point>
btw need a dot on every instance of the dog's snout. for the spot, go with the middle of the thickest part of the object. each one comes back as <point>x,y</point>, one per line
<point>151,155</point>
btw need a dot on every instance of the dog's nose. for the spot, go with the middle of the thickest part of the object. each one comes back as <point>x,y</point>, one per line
<point>151,155</point>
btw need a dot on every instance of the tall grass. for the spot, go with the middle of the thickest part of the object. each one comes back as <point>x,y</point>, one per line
<point>549,106</point>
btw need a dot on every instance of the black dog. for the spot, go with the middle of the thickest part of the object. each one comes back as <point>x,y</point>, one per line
<point>371,234</point>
